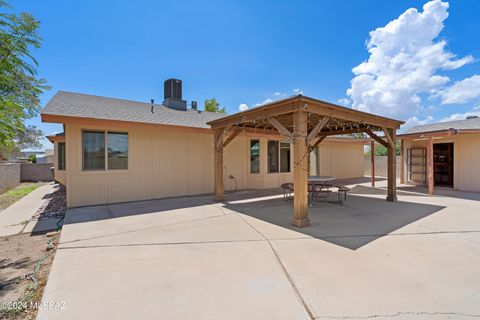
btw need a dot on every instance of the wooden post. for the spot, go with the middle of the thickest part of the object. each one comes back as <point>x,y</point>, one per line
<point>372,162</point>
<point>317,148</point>
<point>430,179</point>
<point>300,170</point>
<point>218,163</point>
<point>402,162</point>
<point>392,159</point>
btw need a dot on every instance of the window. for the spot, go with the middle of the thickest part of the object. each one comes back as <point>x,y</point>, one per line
<point>284,157</point>
<point>117,151</point>
<point>254,156</point>
<point>272,155</point>
<point>97,157</point>
<point>93,150</point>
<point>278,156</point>
<point>61,155</point>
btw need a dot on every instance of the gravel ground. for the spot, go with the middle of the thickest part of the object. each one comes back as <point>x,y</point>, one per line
<point>55,206</point>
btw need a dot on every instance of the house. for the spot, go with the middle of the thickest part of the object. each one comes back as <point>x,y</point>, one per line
<point>47,157</point>
<point>444,154</point>
<point>58,158</point>
<point>115,150</point>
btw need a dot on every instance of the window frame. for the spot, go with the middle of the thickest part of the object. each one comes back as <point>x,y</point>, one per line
<point>279,160</point>
<point>105,168</point>
<point>259,156</point>
<point>60,158</point>
<point>106,150</point>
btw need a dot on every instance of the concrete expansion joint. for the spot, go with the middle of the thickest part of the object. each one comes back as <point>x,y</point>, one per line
<point>401,313</point>
<point>296,290</point>
<point>142,229</point>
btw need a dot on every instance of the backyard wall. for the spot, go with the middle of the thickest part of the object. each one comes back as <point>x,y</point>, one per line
<point>341,160</point>
<point>9,176</point>
<point>381,166</point>
<point>36,172</point>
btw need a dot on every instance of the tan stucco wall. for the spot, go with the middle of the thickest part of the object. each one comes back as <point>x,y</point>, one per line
<point>466,157</point>
<point>341,160</point>
<point>166,163</point>
<point>59,175</point>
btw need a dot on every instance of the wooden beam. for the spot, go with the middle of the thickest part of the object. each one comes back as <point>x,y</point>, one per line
<point>300,170</point>
<point>316,143</point>
<point>387,135</point>
<point>372,162</point>
<point>317,129</point>
<point>232,136</point>
<point>402,162</point>
<point>376,138</point>
<point>277,125</point>
<point>348,114</point>
<point>339,132</point>
<point>430,177</point>
<point>218,164</point>
<point>256,114</point>
<point>391,170</point>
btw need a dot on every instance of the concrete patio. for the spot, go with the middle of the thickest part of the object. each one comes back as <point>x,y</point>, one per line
<point>190,258</point>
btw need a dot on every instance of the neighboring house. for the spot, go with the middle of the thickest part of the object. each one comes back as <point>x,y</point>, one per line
<point>447,152</point>
<point>117,150</point>
<point>47,157</point>
<point>23,156</point>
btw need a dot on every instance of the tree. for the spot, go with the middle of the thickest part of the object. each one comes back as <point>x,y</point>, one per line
<point>212,105</point>
<point>20,88</point>
<point>29,138</point>
<point>382,151</point>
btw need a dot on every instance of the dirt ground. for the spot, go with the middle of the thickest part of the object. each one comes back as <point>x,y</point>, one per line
<point>19,255</point>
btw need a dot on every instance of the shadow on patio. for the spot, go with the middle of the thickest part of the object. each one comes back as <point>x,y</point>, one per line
<point>359,221</point>
<point>417,191</point>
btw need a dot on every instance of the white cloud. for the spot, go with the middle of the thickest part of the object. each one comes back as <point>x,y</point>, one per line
<point>344,101</point>
<point>405,59</point>
<point>414,121</point>
<point>243,107</point>
<point>267,100</point>
<point>462,91</point>
<point>462,116</point>
<point>277,96</point>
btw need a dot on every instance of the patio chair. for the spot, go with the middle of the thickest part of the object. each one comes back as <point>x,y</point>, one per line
<point>287,190</point>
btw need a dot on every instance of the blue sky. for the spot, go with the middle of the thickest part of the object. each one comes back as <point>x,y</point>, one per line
<point>248,52</point>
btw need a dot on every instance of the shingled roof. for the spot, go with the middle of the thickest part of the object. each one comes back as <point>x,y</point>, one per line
<point>78,105</point>
<point>466,124</point>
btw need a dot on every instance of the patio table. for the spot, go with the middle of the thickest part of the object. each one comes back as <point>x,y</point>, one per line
<point>317,180</point>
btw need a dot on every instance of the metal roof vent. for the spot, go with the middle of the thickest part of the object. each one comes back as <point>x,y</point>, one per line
<point>472,117</point>
<point>173,95</point>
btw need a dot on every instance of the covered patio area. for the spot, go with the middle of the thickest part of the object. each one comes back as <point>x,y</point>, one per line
<point>304,122</point>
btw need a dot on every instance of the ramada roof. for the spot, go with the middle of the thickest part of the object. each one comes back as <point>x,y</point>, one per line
<point>457,125</point>
<point>78,105</point>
